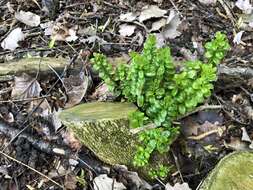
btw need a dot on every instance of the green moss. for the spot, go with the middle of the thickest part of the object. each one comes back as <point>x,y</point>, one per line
<point>233,172</point>
<point>104,129</point>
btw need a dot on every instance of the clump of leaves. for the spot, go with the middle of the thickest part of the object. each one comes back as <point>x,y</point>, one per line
<point>161,90</point>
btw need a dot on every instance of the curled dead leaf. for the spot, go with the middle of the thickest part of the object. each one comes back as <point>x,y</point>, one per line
<point>76,87</point>
<point>25,87</point>
<point>151,11</point>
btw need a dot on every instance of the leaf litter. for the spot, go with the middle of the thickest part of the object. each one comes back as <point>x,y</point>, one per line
<point>28,18</point>
<point>11,41</point>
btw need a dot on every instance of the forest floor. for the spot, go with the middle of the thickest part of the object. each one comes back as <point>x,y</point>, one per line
<point>75,29</point>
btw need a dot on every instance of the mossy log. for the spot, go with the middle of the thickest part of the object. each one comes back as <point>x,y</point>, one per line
<point>233,172</point>
<point>31,66</point>
<point>103,127</point>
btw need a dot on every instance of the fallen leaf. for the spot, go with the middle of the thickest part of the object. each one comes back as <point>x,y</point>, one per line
<point>55,120</point>
<point>70,182</point>
<point>11,41</point>
<point>63,33</point>
<point>76,87</point>
<point>89,31</point>
<point>42,107</point>
<point>132,177</point>
<point>48,27</point>
<point>208,2</point>
<point>160,40</point>
<point>151,11</point>
<point>157,25</point>
<point>128,17</point>
<point>10,7</point>
<point>245,136</point>
<point>25,87</point>
<point>103,182</point>
<point>170,30</point>
<point>139,38</point>
<point>236,144</point>
<point>4,171</point>
<point>238,38</point>
<point>188,55</point>
<point>93,39</point>
<point>102,93</point>
<point>244,5</point>
<point>126,29</point>
<point>28,18</point>
<point>177,186</point>
<point>6,115</point>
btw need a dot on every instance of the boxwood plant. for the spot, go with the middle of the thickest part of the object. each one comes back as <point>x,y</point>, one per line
<point>162,90</point>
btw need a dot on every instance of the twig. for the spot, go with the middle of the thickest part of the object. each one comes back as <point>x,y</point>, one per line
<point>36,171</point>
<point>145,127</point>
<point>177,165</point>
<point>25,99</point>
<point>152,125</point>
<point>200,108</point>
<point>220,130</point>
<point>228,12</point>
<point>174,5</point>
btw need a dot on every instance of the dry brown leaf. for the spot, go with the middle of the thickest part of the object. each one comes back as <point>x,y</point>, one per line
<point>102,93</point>
<point>128,17</point>
<point>244,5</point>
<point>70,182</point>
<point>76,87</point>
<point>28,18</point>
<point>11,41</point>
<point>132,177</point>
<point>237,144</point>
<point>170,30</point>
<point>157,25</point>
<point>103,182</point>
<point>42,107</point>
<point>126,29</point>
<point>151,11</point>
<point>62,33</point>
<point>25,87</point>
<point>245,136</point>
<point>177,186</point>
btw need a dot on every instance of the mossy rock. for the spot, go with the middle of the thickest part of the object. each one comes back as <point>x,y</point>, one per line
<point>103,127</point>
<point>233,172</point>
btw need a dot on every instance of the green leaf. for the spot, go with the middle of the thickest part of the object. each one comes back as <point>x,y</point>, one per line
<point>181,109</point>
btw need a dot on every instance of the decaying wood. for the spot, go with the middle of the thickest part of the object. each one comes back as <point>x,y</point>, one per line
<point>32,66</point>
<point>104,128</point>
<point>235,72</point>
<point>232,172</point>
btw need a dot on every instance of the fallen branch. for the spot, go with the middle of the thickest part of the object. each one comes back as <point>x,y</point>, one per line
<point>41,145</point>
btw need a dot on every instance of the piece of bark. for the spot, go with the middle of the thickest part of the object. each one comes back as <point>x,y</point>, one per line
<point>31,66</point>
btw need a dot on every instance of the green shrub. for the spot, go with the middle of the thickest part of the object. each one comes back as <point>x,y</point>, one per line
<point>161,90</point>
